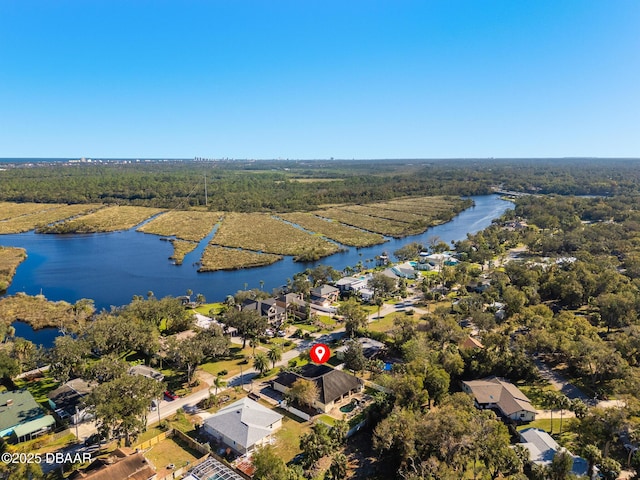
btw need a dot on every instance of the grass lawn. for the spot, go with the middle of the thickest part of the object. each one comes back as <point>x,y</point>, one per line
<point>151,431</point>
<point>327,321</point>
<point>383,325</point>
<point>169,451</point>
<point>569,429</point>
<point>205,308</point>
<point>39,388</point>
<point>288,437</point>
<point>46,443</point>
<point>327,419</point>
<point>305,327</point>
<point>232,364</point>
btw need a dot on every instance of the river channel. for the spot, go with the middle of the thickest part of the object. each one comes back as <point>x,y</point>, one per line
<point>112,267</point>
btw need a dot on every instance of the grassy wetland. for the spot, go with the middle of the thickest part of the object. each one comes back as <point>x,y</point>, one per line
<point>341,233</point>
<point>306,209</point>
<point>18,218</point>
<point>397,218</point>
<point>187,226</point>
<point>39,312</point>
<point>107,219</point>
<point>10,258</point>
<point>263,233</point>
<point>221,258</point>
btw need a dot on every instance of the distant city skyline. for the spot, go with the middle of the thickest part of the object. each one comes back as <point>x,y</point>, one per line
<point>285,79</point>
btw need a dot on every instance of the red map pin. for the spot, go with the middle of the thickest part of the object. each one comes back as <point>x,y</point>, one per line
<point>319,353</point>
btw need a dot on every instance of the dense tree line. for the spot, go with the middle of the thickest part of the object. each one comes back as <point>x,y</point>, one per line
<point>274,186</point>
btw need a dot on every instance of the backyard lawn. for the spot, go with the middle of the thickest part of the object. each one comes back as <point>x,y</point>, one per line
<point>171,451</point>
<point>288,437</point>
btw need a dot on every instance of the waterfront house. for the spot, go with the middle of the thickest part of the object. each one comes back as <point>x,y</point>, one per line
<point>269,308</point>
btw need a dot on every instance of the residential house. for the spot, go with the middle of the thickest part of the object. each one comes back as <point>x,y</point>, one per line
<point>542,448</point>
<point>122,464</point>
<point>294,305</point>
<point>405,270</point>
<point>471,343</point>
<point>371,349</point>
<point>267,308</point>
<point>502,396</point>
<point>333,385</point>
<point>67,401</point>
<point>352,284</point>
<point>243,425</point>
<point>21,417</point>
<point>146,372</point>
<point>324,295</point>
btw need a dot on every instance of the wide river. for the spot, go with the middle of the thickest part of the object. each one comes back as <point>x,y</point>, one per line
<point>112,267</point>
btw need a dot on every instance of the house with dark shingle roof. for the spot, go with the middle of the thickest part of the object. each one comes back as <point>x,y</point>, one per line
<point>67,400</point>
<point>243,425</point>
<point>333,385</point>
<point>496,394</point>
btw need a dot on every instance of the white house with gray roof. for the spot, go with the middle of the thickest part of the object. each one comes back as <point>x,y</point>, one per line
<point>542,448</point>
<point>243,425</point>
<point>503,396</point>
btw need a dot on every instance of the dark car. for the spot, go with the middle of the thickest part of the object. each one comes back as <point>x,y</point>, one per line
<point>170,395</point>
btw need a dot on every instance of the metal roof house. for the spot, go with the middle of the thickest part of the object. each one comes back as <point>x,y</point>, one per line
<point>243,425</point>
<point>542,448</point>
<point>21,417</point>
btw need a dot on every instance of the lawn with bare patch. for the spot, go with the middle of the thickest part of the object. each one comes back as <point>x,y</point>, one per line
<point>171,451</point>
<point>264,233</point>
<point>334,230</point>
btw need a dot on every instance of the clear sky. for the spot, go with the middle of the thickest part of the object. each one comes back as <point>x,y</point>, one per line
<point>319,78</point>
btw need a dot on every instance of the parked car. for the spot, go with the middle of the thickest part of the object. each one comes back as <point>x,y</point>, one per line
<point>170,395</point>
<point>154,405</point>
<point>282,333</point>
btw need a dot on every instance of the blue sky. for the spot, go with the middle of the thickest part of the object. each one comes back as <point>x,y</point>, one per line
<point>319,79</point>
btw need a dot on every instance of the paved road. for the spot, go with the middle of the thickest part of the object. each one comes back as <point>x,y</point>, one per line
<point>561,383</point>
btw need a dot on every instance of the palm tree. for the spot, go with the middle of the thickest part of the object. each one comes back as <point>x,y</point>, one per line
<point>275,355</point>
<point>562,402</point>
<point>261,363</point>
<point>338,468</point>
<point>218,383</point>
<point>551,400</point>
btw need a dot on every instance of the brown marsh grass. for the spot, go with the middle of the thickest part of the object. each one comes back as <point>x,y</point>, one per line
<point>220,258</point>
